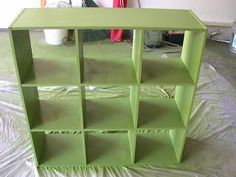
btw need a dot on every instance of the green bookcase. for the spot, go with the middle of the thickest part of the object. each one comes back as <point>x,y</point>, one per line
<point>129,130</point>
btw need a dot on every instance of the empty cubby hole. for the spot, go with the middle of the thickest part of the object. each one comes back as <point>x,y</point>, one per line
<point>158,107</point>
<point>42,63</point>
<point>161,147</point>
<point>53,108</point>
<point>60,149</point>
<point>109,148</point>
<point>110,107</point>
<point>104,61</point>
<point>162,59</point>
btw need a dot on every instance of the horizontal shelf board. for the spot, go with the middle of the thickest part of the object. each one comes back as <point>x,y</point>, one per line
<point>108,149</point>
<point>59,115</point>
<point>63,150</point>
<point>168,71</point>
<point>154,149</point>
<point>52,71</point>
<point>108,113</point>
<point>108,63</point>
<point>159,113</point>
<point>107,18</point>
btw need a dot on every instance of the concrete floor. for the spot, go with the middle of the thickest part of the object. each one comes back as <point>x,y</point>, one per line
<point>217,54</point>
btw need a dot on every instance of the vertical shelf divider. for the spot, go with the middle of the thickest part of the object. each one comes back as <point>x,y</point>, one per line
<point>132,144</point>
<point>134,101</point>
<point>138,35</point>
<point>83,105</point>
<point>80,65</point>
<point>178,139</point>
<point>85,147</point>
<point>137,50</point>
<point>79,53</point>
<point>80,68</point>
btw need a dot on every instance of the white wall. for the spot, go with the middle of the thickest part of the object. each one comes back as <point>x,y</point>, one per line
<point>207,10</point>
<point>219,11</point>
<point>10,8</point>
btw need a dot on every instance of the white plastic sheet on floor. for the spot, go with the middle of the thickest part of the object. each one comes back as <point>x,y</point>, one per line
<point>210,147</point>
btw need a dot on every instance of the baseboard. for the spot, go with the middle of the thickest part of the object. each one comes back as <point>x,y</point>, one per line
<point>218,24</point>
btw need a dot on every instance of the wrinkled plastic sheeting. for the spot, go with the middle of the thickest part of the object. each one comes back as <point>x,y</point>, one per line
<point>210,146</point>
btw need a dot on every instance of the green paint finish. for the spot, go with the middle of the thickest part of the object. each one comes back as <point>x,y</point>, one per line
<point>169,71</point>
<point>138,36</point>
<point>30,95</point>
<point>52,71</point>
<point>108,149</point>
<point>21,42</point>
<point>79,53</point>
<point>154,148</point>
<point>178,139</point>
<point>38,142</point>
<point>63,150</point>
<point>192,52</point>
<point>107,64</point>
<point>184,99</point>
<point>109,113</point>
<point>134,102</point>
<point>58,115</point>
<point>102,18</point>
<point>132,143</point>
<point>159,113</point>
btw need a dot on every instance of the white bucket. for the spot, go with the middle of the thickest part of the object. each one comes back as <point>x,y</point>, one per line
<point>55,36</point>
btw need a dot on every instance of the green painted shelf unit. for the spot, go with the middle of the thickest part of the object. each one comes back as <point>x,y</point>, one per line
<point>139,130</point>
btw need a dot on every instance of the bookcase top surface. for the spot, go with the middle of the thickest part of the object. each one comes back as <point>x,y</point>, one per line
<point>107,18</point>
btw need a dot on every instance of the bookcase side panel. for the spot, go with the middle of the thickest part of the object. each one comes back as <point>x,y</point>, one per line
<point>192,51</point>
<point>38,143</point>
<point>184,96</point>
<point>22,53</point>
<point>31,102</point>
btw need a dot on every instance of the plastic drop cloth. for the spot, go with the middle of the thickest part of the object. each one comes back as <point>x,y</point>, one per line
<point>210,146</point>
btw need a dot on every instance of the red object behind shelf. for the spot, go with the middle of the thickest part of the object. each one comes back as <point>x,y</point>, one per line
<point>116,34</point>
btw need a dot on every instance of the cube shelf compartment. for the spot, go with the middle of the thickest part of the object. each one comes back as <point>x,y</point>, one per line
<point>108,149</point>
<point>111,113</point>
<point>48,71</point>
<point>127,130</point>
<point>153,148</point>
<point>52,114</point>
<point>59,150</point>
<point>59,115</point>
<point>103,67</point>
<point>166,71</point>
<point>159,113</point>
